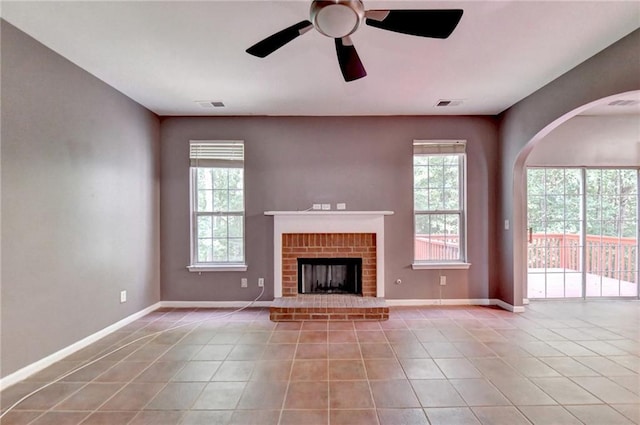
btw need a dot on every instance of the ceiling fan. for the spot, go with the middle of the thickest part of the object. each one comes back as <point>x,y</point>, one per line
<point>339,19</point>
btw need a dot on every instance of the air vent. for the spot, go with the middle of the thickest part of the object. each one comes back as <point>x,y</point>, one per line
<point>448,102</point>
<point>623,102</point>
<point>210,104</point>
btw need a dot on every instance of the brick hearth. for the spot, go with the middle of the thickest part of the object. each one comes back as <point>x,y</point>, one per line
<point>293,306</point>
<point>331,307</point>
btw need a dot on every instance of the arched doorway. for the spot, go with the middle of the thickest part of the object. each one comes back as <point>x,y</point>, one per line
<point>610,107</point>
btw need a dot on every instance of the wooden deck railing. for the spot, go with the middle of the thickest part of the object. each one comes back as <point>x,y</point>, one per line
<point>606,256</point>
<point>436,247</point>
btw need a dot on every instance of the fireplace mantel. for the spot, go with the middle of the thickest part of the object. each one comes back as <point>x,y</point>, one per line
<point>327,222</point>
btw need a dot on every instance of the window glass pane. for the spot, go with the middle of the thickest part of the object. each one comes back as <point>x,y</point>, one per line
<point>221,200</point>
<point>451,177</point>
<point>437,237</point>
<point>204,178</point>
<point>236,178</point>
<point>436,176</point>
<point>205,201</point>
<point>236,224</point>
<point>235,200</point>
<point>421,199</point>
<point>204,227</point>
<point>437,188</point>
<point>220,227</point>
<point>420,160</point>
<point>235,250</point>
<point>220,178</point>
<point>436,199</point>
<point>220,250</point>
<point>217,191</point>
<point>451,199</point>
<point>420,177</point>
<point>436,160</point>
<point>205,250</point>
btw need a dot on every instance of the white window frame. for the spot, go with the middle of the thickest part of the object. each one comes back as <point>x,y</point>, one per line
<point>214,154</point>
<point>444,147</point>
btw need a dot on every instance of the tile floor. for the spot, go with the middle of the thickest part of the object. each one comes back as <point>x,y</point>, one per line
<point>557,363</point>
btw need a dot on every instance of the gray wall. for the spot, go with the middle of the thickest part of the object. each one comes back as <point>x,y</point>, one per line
<point>593,141</point>
<point>292,162</point>
<point>614,70</point>
<point>80,197</point>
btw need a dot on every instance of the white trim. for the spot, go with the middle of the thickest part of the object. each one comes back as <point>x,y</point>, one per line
<point>213,304</point>
<point>506,306</point>
<point>440,266</point>
<point>41,364</point>
<point>436,302</point>
<point>216,268</point>
<point>327,222</point>
<point>329,212</point>
<point>458,301</point>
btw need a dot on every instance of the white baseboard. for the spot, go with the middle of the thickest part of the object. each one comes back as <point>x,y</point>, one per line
<point>462,301</point>
<point>41,364</point>
<point>508,307</point>
<point>436,302</point>
<point>213,304</point>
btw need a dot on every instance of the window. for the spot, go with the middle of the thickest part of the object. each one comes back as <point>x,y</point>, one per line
<point>439,203</point>
<point>217,205</point>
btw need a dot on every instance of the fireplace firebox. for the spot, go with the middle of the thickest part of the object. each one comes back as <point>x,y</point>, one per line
<point>330,276</point>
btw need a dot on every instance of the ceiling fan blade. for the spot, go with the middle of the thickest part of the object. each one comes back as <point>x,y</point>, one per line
<point>350,64</point>
<point>274,42</point>
<point>435,23</point>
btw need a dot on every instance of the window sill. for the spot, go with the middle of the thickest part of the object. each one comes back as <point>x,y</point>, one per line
<point>218,268</point>
<point>440,266</point>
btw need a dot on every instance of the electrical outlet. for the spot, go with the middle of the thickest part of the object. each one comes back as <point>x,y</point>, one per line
<point>316,206</point>
<point>326,207</point>
<point>260,282</point>
<point>123,296</point>
<point>443,280</point>
<point>243,282</point>
<point>341,206</point>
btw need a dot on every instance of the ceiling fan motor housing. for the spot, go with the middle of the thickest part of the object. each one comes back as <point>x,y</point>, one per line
<point>337,18</point>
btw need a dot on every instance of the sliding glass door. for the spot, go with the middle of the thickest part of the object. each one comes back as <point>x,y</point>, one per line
<point>583,232</point>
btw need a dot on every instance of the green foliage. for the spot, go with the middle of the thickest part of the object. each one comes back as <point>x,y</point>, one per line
<point>220,214</point>
<point>555,201</point>
<point>436,188</point>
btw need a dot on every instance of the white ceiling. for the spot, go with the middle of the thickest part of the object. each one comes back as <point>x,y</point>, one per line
<point>167,55</point>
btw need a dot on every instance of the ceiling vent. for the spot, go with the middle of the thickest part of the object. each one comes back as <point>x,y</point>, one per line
<point>622,102</point>
<point>448,102</point>
<point>209,104</point>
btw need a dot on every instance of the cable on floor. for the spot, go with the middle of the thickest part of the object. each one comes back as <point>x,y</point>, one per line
<point>60,378</point>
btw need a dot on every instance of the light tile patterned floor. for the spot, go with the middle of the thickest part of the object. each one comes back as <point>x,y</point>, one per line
<point>557,363</point>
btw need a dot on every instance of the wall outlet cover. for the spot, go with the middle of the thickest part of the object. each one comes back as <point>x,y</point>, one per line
<point>243,282</point>
<point>316,206</point>
<point>260,282</point>
<point>326,207</point>
<point>443,280</point>
<point>341,206</point>
<point>123,296</point>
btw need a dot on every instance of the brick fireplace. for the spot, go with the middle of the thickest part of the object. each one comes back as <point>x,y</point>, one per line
<point>328,245</point>
<point>329,234</point>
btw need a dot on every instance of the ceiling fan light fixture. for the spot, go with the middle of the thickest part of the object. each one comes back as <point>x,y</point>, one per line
<point>337,18</point>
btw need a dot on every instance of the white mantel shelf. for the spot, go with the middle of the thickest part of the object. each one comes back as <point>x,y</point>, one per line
<point>327,221</point>
<point>328,212</point>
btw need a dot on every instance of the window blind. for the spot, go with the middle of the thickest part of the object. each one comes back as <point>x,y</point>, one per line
<point>430,147</point>
<point>224,154</point>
